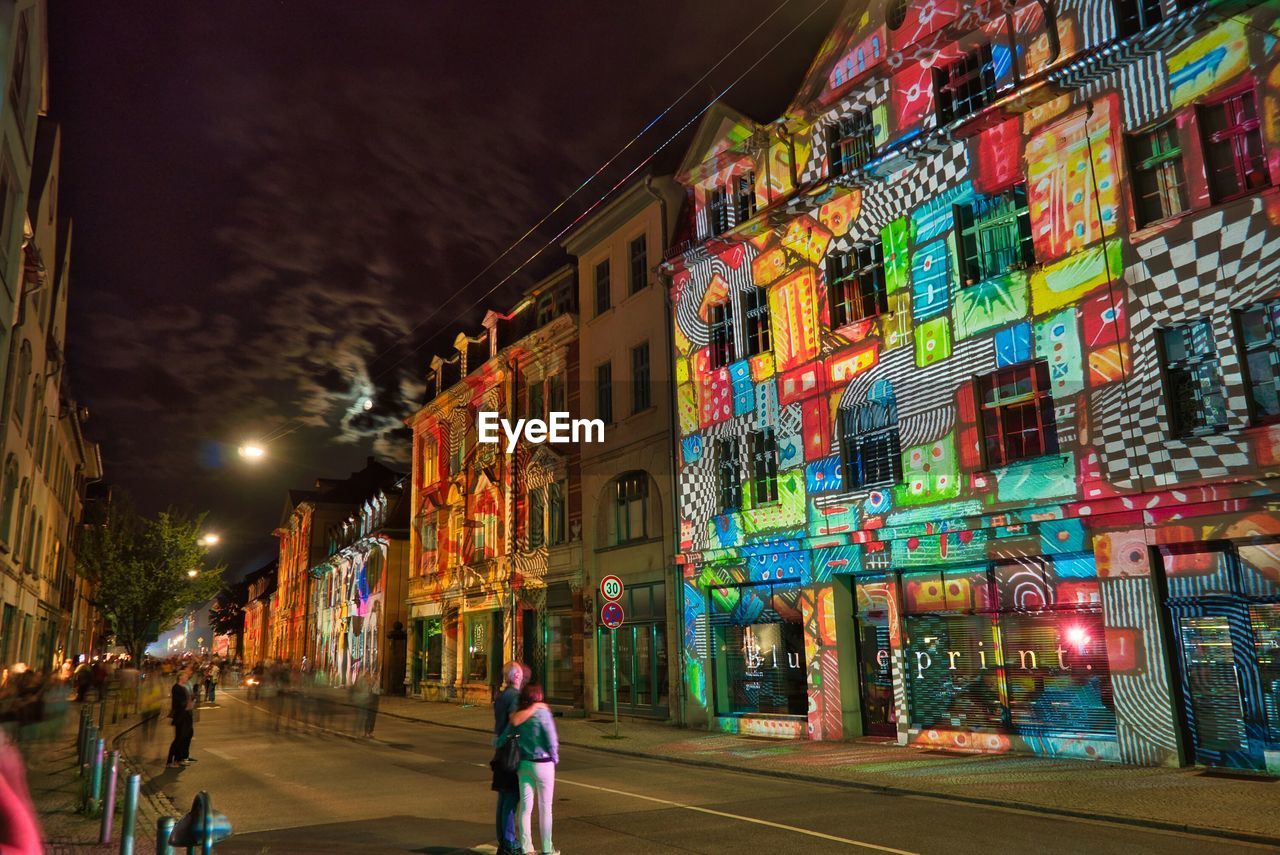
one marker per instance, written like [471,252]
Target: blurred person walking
[181,704]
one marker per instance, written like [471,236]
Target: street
[425,788]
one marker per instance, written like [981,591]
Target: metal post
[206,807]
[95,777]
[131,787]
[614,645]
[164,828]
[109,798]
[84,722]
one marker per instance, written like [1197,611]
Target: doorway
[875,611]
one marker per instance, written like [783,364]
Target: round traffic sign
[611,615]
[611,588]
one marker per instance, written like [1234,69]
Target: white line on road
[792,828]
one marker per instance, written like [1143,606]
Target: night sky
[271,200]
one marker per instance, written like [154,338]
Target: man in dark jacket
[181,703]
[505,783]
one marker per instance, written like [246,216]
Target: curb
[885,789]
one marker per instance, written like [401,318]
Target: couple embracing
[524,765]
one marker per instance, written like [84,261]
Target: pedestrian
[535,731]
[181,704]
[211,681]
[83,677]
[506,784]
[19,828]
[365,695]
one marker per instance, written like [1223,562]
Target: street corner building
[339,582]
[976,355]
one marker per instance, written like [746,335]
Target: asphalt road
[424,788]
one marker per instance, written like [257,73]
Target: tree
[142,570]
[226,615]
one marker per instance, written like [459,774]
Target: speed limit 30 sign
[611,588]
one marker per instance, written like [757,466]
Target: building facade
[624,352]
[358,591]
[975,366]
[496,540]
[257,614]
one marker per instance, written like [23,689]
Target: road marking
[796,829]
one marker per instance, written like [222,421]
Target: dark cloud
[276,203]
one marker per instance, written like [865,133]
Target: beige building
[624,348]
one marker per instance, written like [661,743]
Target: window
[1017,413]
[604,392]
[478,629]
[764,467]
[603,297]
[430,462]
[870,448]
[1159,187]
[630,511]
[850,143]
[431,648]
[557,518]
[20,383]
[718,210]
[721,322]
[537,514]
[639,254]
[1260,342]
[457,446]
[1193,380]
[1134,16]
[1233,153]
[8,498]
[744,202]
[8,201]
[20,79]
[536,409]
[24,498]
[855,284]
[640,378]
[756,310]
[757,651]
[995,235]
[555,393]
[728,480]
[1018,647]
[965,86]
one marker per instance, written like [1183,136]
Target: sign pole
[615,682]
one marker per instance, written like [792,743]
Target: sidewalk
[55,786]
[1171,799]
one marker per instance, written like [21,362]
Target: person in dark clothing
[181,703]
[506,784]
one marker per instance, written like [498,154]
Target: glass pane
[1266,641]
[559,656]
[758,651]
[953,671]
[875,663]
[1202,572]
[1260,569]
[1057,673]
[660,669]
[1212,681]
[644,666]
[626,650]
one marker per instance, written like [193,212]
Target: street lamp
[252,452]
[192,573]
[209,539]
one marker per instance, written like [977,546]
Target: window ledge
[1003,469]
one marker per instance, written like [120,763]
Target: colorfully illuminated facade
[497,537]
[358,590]
[976,379]
[257,613]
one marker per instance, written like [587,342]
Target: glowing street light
[368,404]
[209,539]
[253,452]
[192,573]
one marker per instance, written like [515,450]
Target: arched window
[895,13]
[24,499]
[9,495]
[20,380]
[630,498]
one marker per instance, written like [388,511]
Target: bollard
[90,738]
[130,814]
[164,828]
[109,798]
[95,776]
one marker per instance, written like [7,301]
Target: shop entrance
[876,609]
[1224,604]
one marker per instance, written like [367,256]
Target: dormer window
[965,86]
[850,143]
[718,210]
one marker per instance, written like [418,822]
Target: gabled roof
[853,25]
[720,130]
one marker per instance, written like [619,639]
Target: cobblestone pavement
[55,786]
[1176,799]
